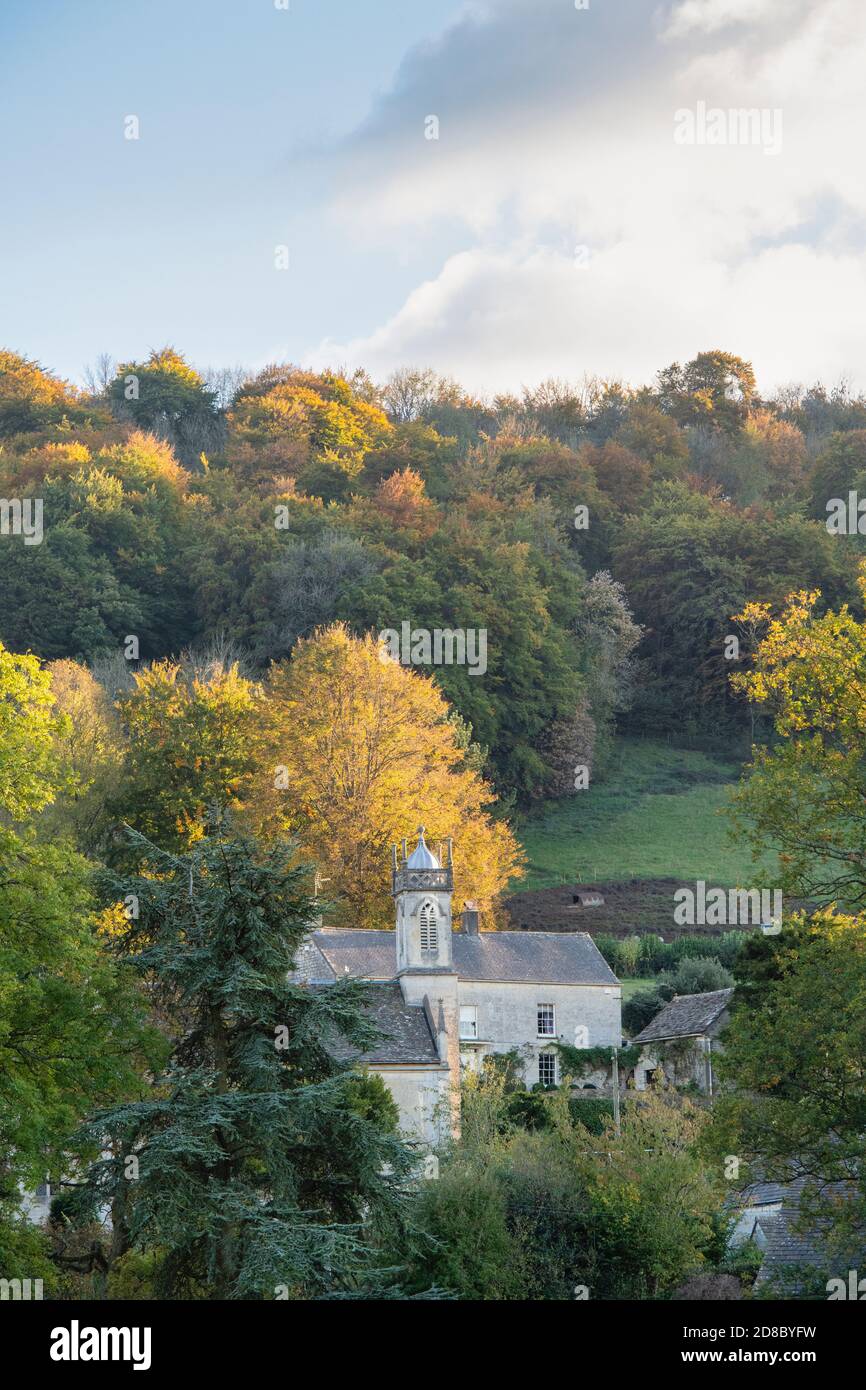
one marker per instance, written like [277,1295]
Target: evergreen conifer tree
[252,1169]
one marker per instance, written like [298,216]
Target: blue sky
[115,245]
[554,228]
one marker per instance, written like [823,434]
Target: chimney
[469,918]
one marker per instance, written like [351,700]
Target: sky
[503,190]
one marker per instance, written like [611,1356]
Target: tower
[422,889]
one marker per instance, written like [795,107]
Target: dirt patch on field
[630,908]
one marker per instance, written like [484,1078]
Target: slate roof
[553,958]
[765,1194]
[686,1016]
[406,1036]
[787,1248]
[786,1245]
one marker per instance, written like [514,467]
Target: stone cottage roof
[405,1039]
[792,1242]
[786,1247]
[790,1251]
[509,957]
[765,1194]
[686,1016]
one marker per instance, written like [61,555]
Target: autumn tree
[361,752]
[715,390]
[622,474]
[192,727]
[399,504]
[804,794]
[91,744]
[774,452]
[414,445]
[30,397]
[313,428]
[655,437]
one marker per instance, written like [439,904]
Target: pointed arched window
[429,928]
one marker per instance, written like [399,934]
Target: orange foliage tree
[363,752]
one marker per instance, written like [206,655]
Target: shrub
[590,1113]
[640,1009]
[697,975]
[465,1247]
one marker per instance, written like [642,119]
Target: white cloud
[500,320]
[708,16]
[557,130]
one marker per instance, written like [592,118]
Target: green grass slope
[659,812]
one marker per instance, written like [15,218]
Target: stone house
[681,1039]
[445,997]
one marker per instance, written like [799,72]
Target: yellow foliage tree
[192,731]
[287,419]
[90,743]
[363,752]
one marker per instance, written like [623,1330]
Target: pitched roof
[509,957]
[765,1194]
[686,1016]
[785,1245]
[405,1039]
[534,957]
[791,1242]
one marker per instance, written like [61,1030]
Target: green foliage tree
[71,1026]
[168,397]
[840,468]
[685,562]
[715,389]
[258,1172]
[794,1067]
[111,561]
[550,1216]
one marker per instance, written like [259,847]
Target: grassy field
[630,987]
[659,812]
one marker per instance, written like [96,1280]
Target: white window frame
[554,1080]
[473,1022]
[545,1032]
